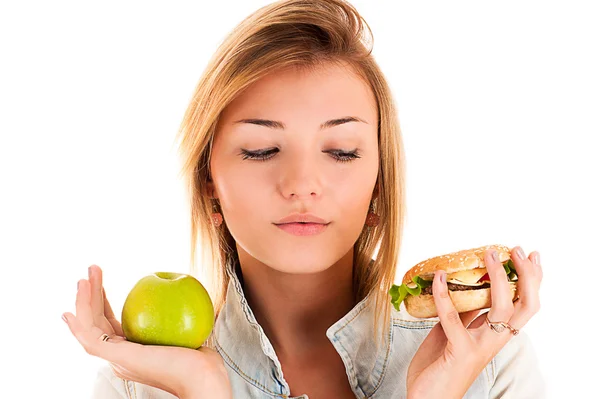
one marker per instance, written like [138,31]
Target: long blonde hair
[302,34]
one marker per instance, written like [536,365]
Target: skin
[314,273]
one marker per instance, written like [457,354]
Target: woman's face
[303,172]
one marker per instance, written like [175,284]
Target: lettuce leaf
[509,267]
[399,292]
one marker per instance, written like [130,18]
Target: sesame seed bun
[423,305]
[456,261]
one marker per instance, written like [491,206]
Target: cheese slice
[463,283]
[467,277]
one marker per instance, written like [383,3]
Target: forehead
[314,95]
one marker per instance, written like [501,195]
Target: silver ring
[104,337]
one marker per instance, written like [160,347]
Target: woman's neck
[295,310]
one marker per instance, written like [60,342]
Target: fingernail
[78,286]
[495,256]
[64,318]
[90,272]
[536,258]
[443,277]
[520,253]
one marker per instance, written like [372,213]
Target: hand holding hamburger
[463,342]
[467,278]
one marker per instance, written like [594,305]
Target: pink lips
[303,229]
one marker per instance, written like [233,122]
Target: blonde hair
[302,34]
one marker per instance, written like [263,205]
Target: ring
[498,326]
[104,337]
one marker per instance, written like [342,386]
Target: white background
[498,106]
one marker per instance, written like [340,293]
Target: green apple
[166,308]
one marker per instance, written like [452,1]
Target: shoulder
[109,386]
[518,352]
[407,334]
[516,370]
[401,319]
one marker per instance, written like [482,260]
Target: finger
[502,306]
[449,319]
[110,316]
[83,308]
[88,336]
[90,339]
[97,300]
[529,279]
[534,258]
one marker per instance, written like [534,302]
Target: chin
[298,266]
[305,261]
[298,255]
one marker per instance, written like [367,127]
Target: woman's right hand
[185,373]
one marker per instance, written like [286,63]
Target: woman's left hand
[458,348]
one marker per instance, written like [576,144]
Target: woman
[295,166]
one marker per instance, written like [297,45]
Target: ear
[210,190]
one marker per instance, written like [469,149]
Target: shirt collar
[242,343]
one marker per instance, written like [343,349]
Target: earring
[217,218]
[372,217]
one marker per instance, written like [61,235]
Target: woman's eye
[259,155]
[344,156]
[263,155]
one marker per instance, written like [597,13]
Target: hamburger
[467,279]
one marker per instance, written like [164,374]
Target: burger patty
[455,287]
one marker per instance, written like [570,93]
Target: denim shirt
[255,371]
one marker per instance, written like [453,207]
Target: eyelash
[263,155]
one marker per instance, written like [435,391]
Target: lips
[301,218]
[303,229]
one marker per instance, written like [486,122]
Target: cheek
[352,207]
[237,185]
[352,190]
[243,195]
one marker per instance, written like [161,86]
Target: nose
[300,177]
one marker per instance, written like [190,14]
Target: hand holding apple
[168,309]
[181,371]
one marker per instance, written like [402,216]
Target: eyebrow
[281,126]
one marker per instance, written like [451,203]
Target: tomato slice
[485,277]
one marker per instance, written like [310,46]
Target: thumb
[449,318]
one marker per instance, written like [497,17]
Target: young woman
[294,161]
